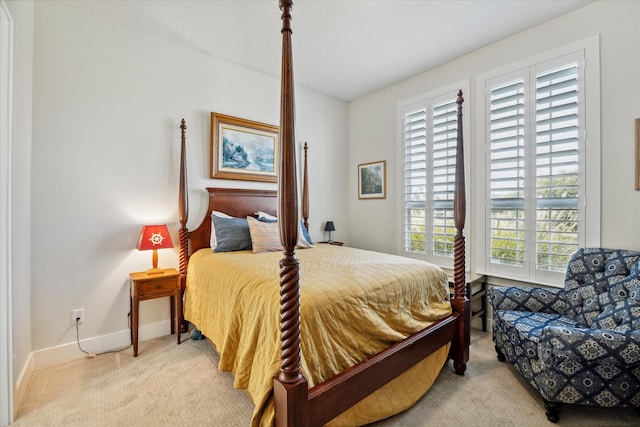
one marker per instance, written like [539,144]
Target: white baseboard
[69,352]
[23,383]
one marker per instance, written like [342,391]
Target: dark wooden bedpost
[290,387]
[460,302]
[183,206]
[305,190]
[183,213]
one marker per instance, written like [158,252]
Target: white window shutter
[415,181]
[534,162]
[443,169]
[429,158]
[506,173]
[557,167]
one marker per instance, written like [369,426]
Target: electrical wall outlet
[77,315]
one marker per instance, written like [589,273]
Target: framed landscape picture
[372,180]
[243,149]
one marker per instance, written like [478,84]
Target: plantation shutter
[443,159]
[415,181]
[430,137]
[507,168]
[557,167]
[535,180]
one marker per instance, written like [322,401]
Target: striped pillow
[265,236]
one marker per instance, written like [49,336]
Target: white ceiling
[342,48]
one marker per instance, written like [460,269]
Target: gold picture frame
[243,149]
[372,180]
[637,154]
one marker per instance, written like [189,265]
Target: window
[535,172]
[537,135]
[428,134]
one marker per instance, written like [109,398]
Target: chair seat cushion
[529,325]
[517,334]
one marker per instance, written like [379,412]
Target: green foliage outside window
[556,227]
[442,242]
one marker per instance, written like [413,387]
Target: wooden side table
[148,286]
[477,295]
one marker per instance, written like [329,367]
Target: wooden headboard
[235,202]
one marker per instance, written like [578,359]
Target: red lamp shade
[154,237]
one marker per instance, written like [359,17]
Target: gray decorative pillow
[232,234]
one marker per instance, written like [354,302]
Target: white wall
[372,120]
[108,100]
[22,13]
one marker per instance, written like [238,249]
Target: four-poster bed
[411,333]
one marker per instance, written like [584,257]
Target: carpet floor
[180,385]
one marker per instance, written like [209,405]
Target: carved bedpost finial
[286,6]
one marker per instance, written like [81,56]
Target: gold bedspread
[353,304]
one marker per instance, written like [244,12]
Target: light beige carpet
[171,385]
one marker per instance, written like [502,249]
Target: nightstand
[477,295]
[148,286]
[333,242]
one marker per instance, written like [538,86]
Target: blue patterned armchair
[580,344]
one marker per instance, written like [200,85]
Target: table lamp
[329,227]
[154,237]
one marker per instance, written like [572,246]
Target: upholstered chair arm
[590,346]
[525,298]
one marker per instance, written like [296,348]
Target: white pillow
[212,239]
[266,216]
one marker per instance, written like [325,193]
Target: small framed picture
[372,180]
[243,149]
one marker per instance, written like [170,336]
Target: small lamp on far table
[329,227]
[154,237]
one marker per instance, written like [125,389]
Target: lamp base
[155,270]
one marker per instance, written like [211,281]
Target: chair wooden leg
[552,410]
[500,354]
